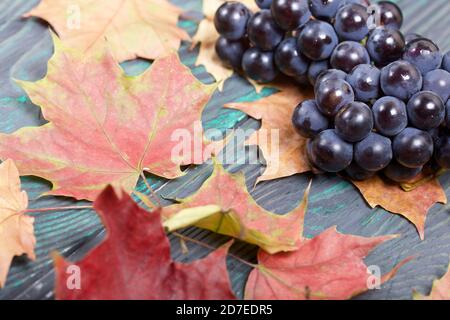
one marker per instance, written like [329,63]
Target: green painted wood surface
[25,46]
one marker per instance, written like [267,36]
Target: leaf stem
[205,245]
[414,185]
[149,187]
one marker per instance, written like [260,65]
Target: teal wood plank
[25,46]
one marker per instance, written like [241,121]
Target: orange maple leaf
[133,28]
[16,228]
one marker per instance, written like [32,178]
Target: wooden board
[25,46]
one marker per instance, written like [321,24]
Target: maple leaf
[207,36]
[16,228]
[329,266]
[439,291]
[133,28]
[413,205]
[223,205]
[285,156]
[106,127]
[134,261]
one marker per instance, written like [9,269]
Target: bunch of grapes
[381,98]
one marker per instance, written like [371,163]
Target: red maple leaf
[134,261]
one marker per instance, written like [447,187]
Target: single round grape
[289,61]
[413,148]
[332,95]
[354,122]
[315,69]
[355,172]
[329,152]
[389,115]
[365,81]
[231,51]
[391,15]
[231,20]
[374,152]
[259,65]
[317,40]
[351,22]
[442,152]
[385,45]
[401,79]
[398,173]
[331,74]
[263,4]
[438,81]
[409,37]
[349,54]
[446,62]
[426,110]
[263,32]
[307,119]
[324,9]
[424,54]
[290,14]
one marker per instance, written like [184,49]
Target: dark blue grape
[354,122]
[317,40]
[263,4]
[259,65]
[374,152]
[442,152]
[329,152]
[391,15]
[351,22]
[315,69]
[289,61]
[390,117]
[332,95]
[413,148]
[349,54]
[263,32]
[331,74]
[307,119]
[365,80]
[401,79]
[426,110]
[424,54]
[231,51]
[231,20]
[290,14]
[446,62]
[398,173]
[438,81]
[385,45]
[409,37]
[355,172]
[324,9]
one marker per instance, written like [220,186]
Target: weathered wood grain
[25,46]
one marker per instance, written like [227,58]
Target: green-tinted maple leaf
[223,205]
